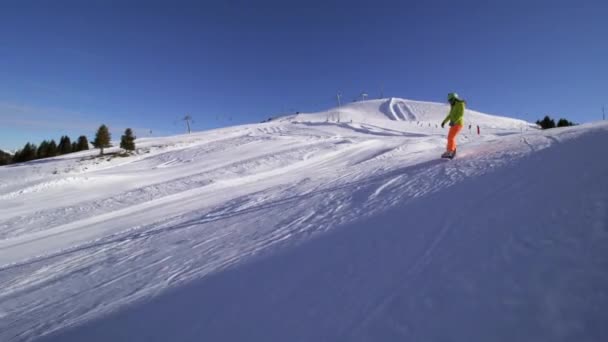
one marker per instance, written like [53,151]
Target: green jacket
[456,115]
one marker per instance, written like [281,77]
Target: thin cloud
[53,90]
[46,118]
[20,115]
[25,109]
[44,124]
[26,116]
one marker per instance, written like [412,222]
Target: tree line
[547,122]
[50,148]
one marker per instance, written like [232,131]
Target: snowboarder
[455,116]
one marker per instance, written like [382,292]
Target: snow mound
[397,109]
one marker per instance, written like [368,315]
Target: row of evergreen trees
[547,122]
[50,148]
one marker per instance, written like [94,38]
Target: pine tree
[68,145]
[31,152]
[61,144]
[65,145]
[83,143]
[102,138]
[564,123]
[74,146]
[52,149]
[17,157]
[546,122]
[26,154]
[127,141]
[43,149]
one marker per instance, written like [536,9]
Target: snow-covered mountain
[8,153]
[407,111]
[306,228]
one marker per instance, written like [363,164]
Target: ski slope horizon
[337,225]
[393,108]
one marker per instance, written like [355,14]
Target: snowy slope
[304,228]
[408,111]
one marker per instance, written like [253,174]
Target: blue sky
[68,66]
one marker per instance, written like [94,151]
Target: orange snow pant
[454,130]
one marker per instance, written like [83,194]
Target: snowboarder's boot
[449,154]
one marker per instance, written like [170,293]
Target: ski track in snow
[194,206]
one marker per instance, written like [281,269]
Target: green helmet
[453,97]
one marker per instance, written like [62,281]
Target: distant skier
[455,116]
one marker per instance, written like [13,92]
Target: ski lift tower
[363,96]
[188,118]
[338,96]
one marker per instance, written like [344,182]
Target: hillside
[305,228]
[399,112]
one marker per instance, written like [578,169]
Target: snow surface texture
[309,229]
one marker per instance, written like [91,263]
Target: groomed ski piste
[306,228]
